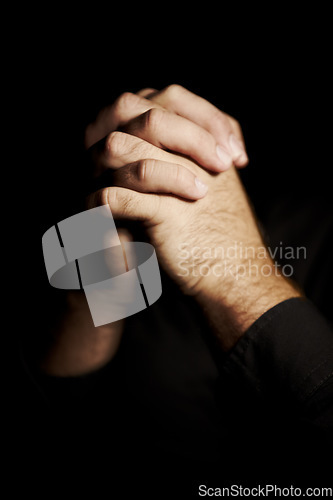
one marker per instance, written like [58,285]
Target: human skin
[157,188]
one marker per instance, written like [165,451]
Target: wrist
[235,300]
[77,346]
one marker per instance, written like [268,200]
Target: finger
[124,237]
[127,204]
[154,176]
[179,100]
[126,107]
[173,132]
[147,92]
[238,139]
[119,149]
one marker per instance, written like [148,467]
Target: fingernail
[224,157]
[202,188]
[237,148]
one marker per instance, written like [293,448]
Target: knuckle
[173,91]
[98,198]
[220,119]
[145,91]
[118,202]
[152,119]
[236,125]
[110,197]
[234,121]
[142,170]
[125,101]
[177,174]
[146,169]
[114,144]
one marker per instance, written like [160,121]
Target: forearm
[77,346]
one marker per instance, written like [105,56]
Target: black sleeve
[286,358]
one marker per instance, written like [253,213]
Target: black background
[275,81]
